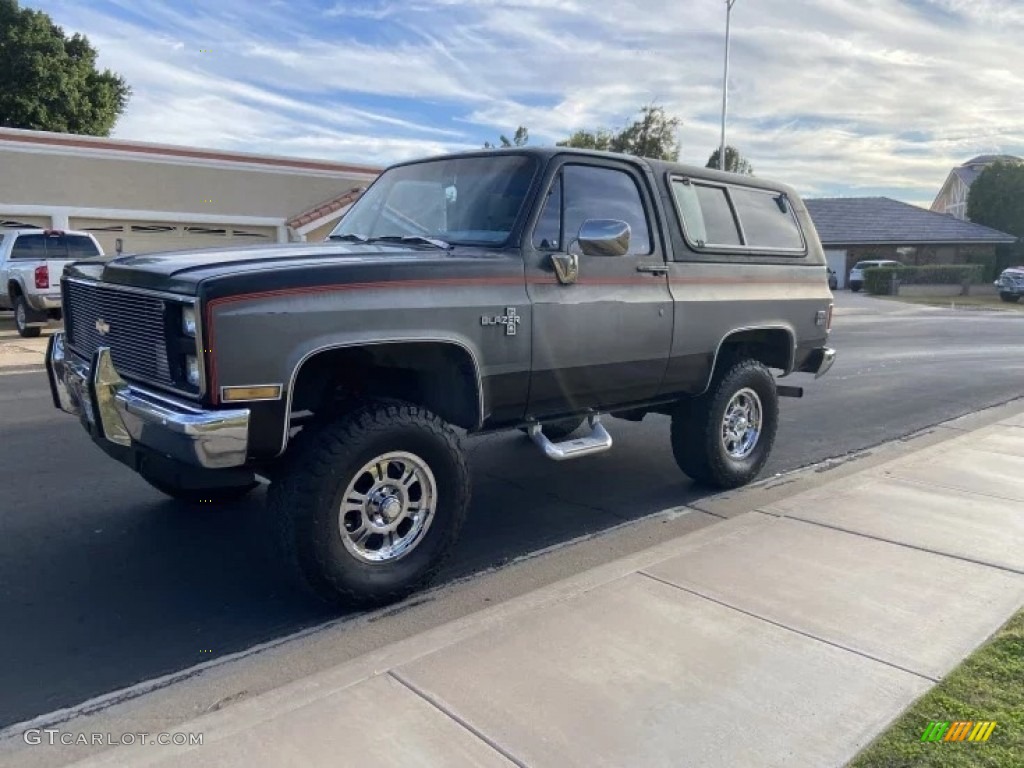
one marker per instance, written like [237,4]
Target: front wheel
[1009,298]
[21,319]
[370,505]
[723,438]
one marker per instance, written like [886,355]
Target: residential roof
[989,159]
[325,209]
[146,150]
[970,170]
[883,221]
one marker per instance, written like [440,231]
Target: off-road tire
[557,431]
[1009,298]
[22,313]
[305,496]
[697,424]
[202,497]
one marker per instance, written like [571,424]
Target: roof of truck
[658,167]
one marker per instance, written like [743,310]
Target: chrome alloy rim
[741,425]
[388,507]
[20,318]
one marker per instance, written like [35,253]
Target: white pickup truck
[31,263]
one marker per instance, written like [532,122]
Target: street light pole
[725,83]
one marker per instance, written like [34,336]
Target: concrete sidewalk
[787,636]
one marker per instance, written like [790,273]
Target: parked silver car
[857,273]
[1011,284]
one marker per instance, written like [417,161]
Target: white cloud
[831,95]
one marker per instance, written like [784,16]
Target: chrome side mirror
[604,237]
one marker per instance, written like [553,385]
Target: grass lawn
[959,302]
[988,685]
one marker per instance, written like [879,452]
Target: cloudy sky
[838,97]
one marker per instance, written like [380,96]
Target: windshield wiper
[352,236]
[413,239]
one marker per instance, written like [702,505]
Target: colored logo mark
[961,730]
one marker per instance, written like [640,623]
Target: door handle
[653,269]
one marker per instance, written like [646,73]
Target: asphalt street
[105,583]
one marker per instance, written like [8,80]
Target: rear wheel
[22,318]
[369,506]
[724,437]
[855,287]
[1009,298]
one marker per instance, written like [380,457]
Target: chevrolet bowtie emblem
[102,327]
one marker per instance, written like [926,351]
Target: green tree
[652,134]
[734,161]
[50,82]
[600,139]
[997,200]
[520,139]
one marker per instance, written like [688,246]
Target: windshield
[463,201]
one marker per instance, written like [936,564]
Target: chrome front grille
[131,324]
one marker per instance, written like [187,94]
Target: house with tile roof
[853,229]
[952,198]
[152,197]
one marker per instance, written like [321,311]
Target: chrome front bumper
[126,415]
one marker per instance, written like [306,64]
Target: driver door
[603,338]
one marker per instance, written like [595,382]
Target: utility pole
[725,83]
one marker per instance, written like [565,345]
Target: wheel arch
[772,345]
[14,288]
[458,399]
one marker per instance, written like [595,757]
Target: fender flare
[775,327]
[461,345]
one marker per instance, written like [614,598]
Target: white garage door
[147,237]
[836,261]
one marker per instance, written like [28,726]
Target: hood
[181,271]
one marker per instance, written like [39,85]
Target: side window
[719,223]
[767,220]
[547,235]
[591,192]
[689,210]
[29,247]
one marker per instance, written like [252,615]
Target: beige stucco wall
[320,233]
[69,180]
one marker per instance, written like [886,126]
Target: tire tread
[294,497]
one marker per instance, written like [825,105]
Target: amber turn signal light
[236,394]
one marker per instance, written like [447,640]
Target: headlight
[192,370]
[188,321]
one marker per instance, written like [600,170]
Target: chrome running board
[598,441]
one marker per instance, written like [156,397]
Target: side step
[598,441]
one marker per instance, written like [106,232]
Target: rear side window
[720,216]
[29,247]
[767,220]
[707,215]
